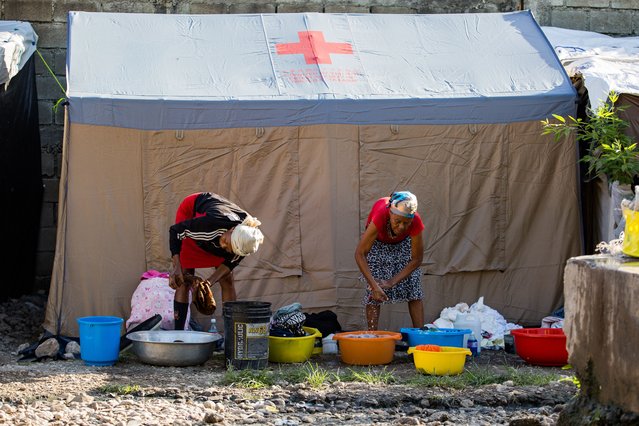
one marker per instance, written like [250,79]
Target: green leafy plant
[610,151]
[572,379]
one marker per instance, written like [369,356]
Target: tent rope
[55,107]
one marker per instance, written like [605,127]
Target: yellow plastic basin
[292,349]
[449,362]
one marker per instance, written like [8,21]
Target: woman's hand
[176,280]
[219,273]
[378,295]
[386,284]
[176,277]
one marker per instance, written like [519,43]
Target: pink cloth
[154,296]
[152,273]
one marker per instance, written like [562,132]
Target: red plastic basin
[541,346]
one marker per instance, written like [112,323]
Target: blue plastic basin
[442,336]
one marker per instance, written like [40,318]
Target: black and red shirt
[212,216]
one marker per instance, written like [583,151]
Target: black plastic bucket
[246,330]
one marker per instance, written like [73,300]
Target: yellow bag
[631,233]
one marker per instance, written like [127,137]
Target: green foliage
[370,376]
[610,151]
[477,376]
[248,379]
[573,379]
[523,377]
[315,375]
[119,389]
[480,376]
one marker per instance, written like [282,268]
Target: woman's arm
[176,277]
[363,247]
[220,272]
[417,255]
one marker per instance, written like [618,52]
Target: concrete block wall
[612,17]
[49,19]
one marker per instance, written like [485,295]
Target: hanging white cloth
[18,41]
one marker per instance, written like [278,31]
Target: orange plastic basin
[357,348]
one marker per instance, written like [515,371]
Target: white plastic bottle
[329,346]
[213,330]
[472,322]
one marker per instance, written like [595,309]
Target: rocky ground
[132,393]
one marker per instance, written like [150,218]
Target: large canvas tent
[20,168]
[305,120]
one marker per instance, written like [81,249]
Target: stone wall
[602,312]
[615,17]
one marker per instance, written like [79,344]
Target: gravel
[66,392]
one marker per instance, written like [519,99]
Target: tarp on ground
[305,120]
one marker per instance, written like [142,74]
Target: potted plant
[610,151]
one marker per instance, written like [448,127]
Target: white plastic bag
[618,193]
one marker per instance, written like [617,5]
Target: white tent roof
[606,63]
[153,71]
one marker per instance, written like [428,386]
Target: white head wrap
[403,203]
[246,237]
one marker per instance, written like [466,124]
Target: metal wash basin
[173,347]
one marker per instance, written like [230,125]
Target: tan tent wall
[499,204]
[630,113]
[500,207]
[100,244]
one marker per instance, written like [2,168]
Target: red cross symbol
[314,48]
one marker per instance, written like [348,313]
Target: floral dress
[387,260]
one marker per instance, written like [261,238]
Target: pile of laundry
[493,325]
[289,320]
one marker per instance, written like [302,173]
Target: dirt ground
[133,393]
[74,392]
